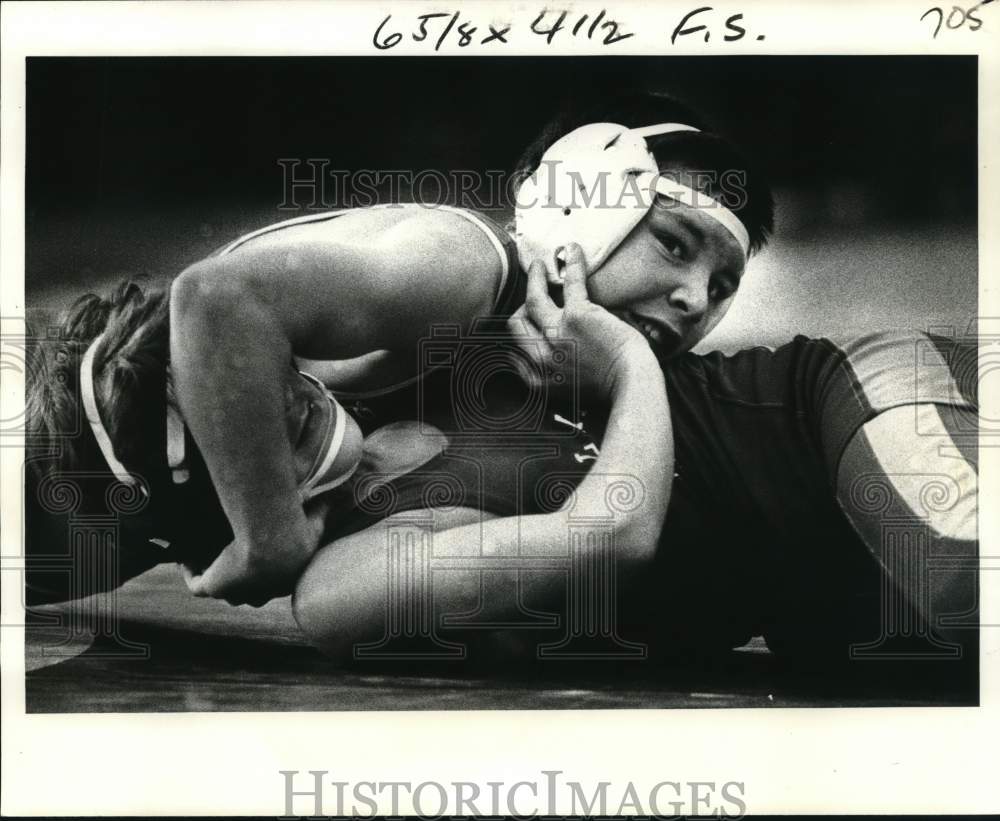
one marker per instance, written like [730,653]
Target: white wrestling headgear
[325,474]
[593,186]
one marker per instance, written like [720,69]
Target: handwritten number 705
[957,17]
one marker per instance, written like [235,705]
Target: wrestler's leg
[378,586]
[907,481]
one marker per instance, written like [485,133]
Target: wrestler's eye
[674,247]
[721,289]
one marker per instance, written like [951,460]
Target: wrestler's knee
[334,613]
[905,464]
[909,487]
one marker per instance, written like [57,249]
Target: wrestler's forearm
[632,477]
[628,487]
[340,599]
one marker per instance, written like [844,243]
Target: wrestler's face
[672,278]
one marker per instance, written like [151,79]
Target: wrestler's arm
[237,320]
[341,598]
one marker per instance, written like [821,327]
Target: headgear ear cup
[592,187]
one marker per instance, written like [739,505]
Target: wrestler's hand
[239,578]
[605,346]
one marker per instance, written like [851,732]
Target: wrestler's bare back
[367,228]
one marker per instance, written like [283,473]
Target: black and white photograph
[442,381]
[392,405]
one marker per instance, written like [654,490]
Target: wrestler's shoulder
[759,374]
[455,225]
[416,226]
[808,371]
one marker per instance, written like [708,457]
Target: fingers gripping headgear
[593,186]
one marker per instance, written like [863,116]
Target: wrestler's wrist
[635,368]
[286,540]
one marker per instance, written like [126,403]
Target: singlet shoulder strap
[498,237]
[323,216]
[502,244]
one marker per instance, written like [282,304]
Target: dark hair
[130,379]
[700,159]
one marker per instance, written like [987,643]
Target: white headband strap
[323,487]
[176,446]
[314,484]
[691,198]
[333,445]
[708,206]
[94,416]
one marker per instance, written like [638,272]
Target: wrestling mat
[169,652]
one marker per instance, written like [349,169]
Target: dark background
[140,166]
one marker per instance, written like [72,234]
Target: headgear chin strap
[593,186]
[94,418]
